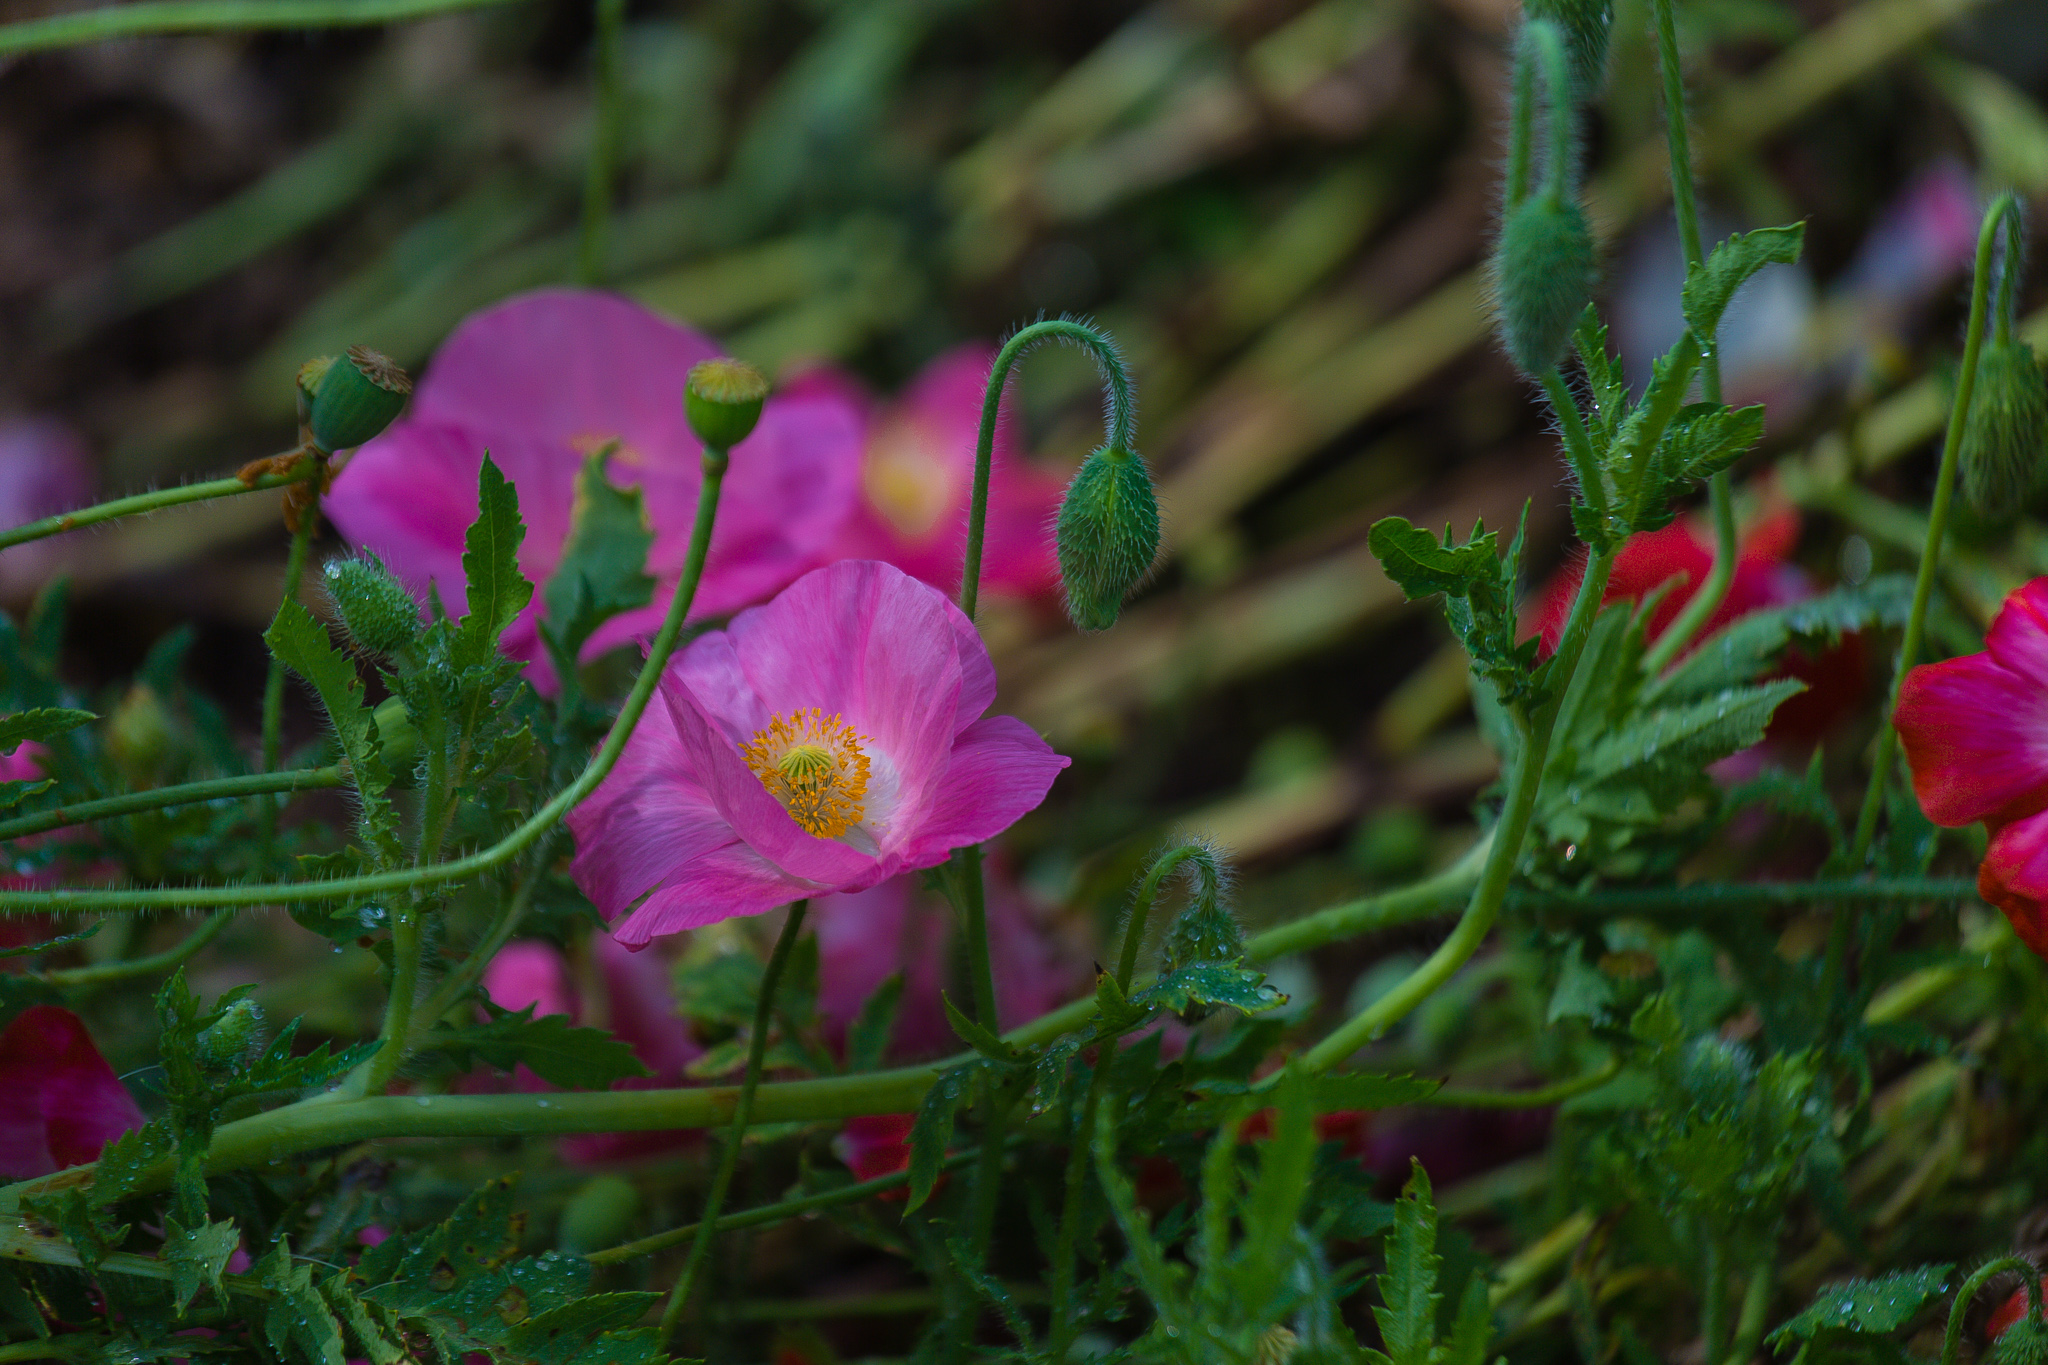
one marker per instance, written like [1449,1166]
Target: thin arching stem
[141,503]
[1958,1311]
[742,1115]
[160,798]
[608,116]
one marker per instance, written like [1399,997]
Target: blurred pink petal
[542,381]
[65,1101]
[1975,728]
[44,470]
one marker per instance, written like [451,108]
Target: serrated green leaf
[51,944]
[1582,992]
[1203,986]
[551,1046]
[197,1258]
[1740,652]
[44,722]
[1472,1332]
[1272,1206]
[497,592]
[603,566]
[1711,285]
[1706,438]
[1423,565]
[1676,744]
[296,1320]
[362,1322]
[1880,1305]
[932,1130]
[302,645]
[124,1161]
[1408,1289]
[974,1035]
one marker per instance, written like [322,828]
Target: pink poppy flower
[917,477]
[824,742]
[639,1007]
[44,469]
[876,1145]
[542,381]
[64,1101]
[1975,732]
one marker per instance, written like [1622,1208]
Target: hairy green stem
[407,944]
[1952,1340]
[607,125]
[1577,444]
[1708,900]
[742,1115]
[537,825]
[214,16]
[1930,554]
[1148,893]
[105,973]
[146,502]
[1720,497]
[457,983]
[1509,832]
[273,678]
[186,794]
[1559,166]
[1521,130]
[1451,1097]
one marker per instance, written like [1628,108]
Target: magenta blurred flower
[875,1145]
[917,475]
[1975,731]
[824,742]
[639,1008]
[546,379]
[44,469]
[65,1101]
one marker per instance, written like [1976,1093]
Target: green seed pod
[1543,275]
[1585,25]
[379,614]
[1108,535]
[233,1039]
[359,395]
[597,1215]
[2005,436]
[139,736]
[723,401]
[399,741]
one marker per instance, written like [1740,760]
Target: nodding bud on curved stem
[1107,535]
[2007,425]
[1543,266]
[354,396]
[1204,931]
[723,401]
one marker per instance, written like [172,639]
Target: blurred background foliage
[1278,206]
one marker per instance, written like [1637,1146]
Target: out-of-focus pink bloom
[866,936]
[543,381]
[44,470]
[876,1145]
[1975,731]
[64,1101]
[639,1007]
[917,477]
[824,742]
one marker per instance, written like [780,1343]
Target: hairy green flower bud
[1205,931]
[396,737]
[2006,430]
[597,1215]
[377,611]
[1585,25]
[723,401]
[1108,535]
[233,1039]
[1543,275]
[139,736]
[360,394]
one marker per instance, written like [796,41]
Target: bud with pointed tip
[2006,430]
[375,609]
[723,401]
[1543,274]
[139,736]
[360,394]
[234,1039]
[1107,534]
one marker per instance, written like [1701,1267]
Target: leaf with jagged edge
[1202,987]
[1670,747]
[1880,1305]
[496,591]
[128,1158]
[1711,285]
[932,1130]
[1472,1330]
[1740,652]
[43,722]
[198,1257]
[1606,385]
[1408,1293]
[296,1320]
[551,1046]
[977,1037]
[302,645]
[603,569]
[1423,565]
[52,944]
[364,1324]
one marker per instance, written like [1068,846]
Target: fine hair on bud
[360,393]
[1107,535]
[2005,429]
[374,607]
[1543,272]
[1205,930]
[1586,26]
[722,401]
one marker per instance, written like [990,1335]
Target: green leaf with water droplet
[1884,1304]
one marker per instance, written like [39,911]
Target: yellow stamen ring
[812,763]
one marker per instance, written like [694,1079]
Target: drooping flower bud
[1585,25]
[1205,931]
[377,611]
[1543,274]
[723,401]
[1108,535]
[233,1039]
[139,736]
[360,394]
[2005,435]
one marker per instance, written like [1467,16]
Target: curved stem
[457,983]
[1119,421]
[1930,553]
[742,1115]
[1204,859]
[1509,832]
[1450,1097]
[407,931]
[1958,1310]
[535,826]
[157,798]
[103,973]
[607,122]
[146,502]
